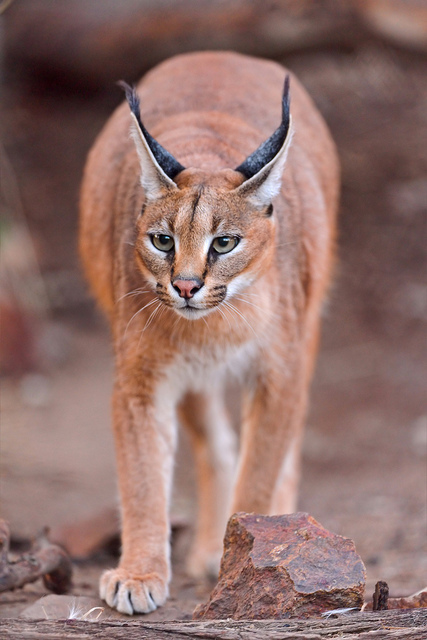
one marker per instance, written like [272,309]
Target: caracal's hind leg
[214,443]
[274,410]
[285,497]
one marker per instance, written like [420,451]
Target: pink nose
[187,288]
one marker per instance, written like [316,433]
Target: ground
[364,465]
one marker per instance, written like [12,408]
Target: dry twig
[44,560]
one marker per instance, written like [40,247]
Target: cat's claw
[130,593]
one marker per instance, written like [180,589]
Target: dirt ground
[364,469]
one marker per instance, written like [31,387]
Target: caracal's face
[203,244]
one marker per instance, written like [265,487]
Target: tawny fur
[210,110]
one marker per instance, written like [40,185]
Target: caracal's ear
[158,166]
[264,167]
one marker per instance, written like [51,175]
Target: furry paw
[130,593]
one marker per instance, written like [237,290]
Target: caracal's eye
[225,244]
[162,242]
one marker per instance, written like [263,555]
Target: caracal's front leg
[274,411]
[145,444]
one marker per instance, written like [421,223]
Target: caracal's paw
[204,564]
[131,593]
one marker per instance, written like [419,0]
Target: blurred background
[365,64]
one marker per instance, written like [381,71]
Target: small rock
[282,566]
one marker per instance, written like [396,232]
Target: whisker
[252,294]
[284,244]
[135,292]
[137,312]
[224,315]
[162,312]
[150,319]
[176,322]
[207,332]
[273,314]
[152,316]
[251,303]
[228,304]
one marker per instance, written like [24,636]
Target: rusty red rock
[282,566]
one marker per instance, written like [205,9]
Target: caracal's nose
[187,287]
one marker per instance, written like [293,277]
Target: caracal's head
[203,238]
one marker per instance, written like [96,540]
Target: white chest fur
[201,371]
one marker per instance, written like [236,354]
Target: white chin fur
[191,313]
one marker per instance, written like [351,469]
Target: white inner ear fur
[264,186]
[153,179]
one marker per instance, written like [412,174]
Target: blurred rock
[23,299]
[282,566]
[17,350]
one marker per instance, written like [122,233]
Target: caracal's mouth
[190,312]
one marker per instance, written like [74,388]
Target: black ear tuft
[271,147]
[167,162]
